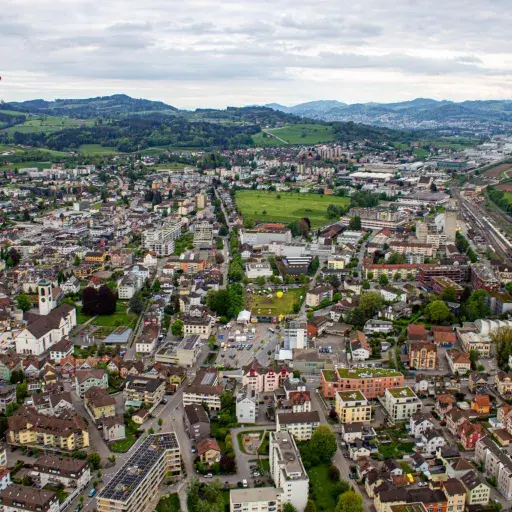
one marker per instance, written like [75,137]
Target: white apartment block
[247,406]
[141,478]
[401,403]
[497,465]
[295,335]
[161,240]
[258,499]
[287,470]
[301,425]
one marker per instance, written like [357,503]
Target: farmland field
[48,124]
[296,134]
[497,172]
[25,165]
[260,304]
[97,149]
[265,206]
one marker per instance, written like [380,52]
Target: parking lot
[238,344]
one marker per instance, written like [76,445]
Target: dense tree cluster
[497,196]
[98,302]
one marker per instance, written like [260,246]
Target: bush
[334,473]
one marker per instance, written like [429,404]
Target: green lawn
[263,140]
[116,319]
[259,304]
[48,124]
[508,196]
[97,149]
[169,504]
[265,206]
[321,488]
[81,318]
[420,152]
[123,445]
[296,134]
[170,165]
[24,165]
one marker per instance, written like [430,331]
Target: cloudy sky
[201,53]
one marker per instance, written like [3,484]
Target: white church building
[47,328]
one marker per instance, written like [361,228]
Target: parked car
[208,475]
[244,482]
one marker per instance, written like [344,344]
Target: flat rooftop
[405,392]
[289,456]
[351,396]
[126,481]
[367,373]
[254,494]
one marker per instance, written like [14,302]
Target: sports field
[261,305]
[266,206]
[295,134]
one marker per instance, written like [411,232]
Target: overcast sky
[200,53]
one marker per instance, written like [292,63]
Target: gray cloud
[367,51]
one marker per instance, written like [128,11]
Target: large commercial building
[426,274]
[371,382]
[185,354]
[140,479]
[265,235]
[287,470]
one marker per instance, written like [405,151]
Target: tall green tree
[350,502]
[23,302]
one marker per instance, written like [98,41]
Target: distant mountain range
[418,113]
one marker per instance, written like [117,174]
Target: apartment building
[458,362]
[442,283]
[258,499]
[301,425]
[205,388]
[70,472]
[161,240]
[141,478]
[99,404]
[203,234]
[86,379]
[371,382]
[29,428]
[401,403]
[497,465]
[377,218]
[264,380]
[147,390]
[7,396]
[411,248]
[287,470]
[18,498]
[427,272]
[247,406]
[352,407]
[503,382]
[199,326]
[477,492]
[404,270]
[482,278]
[315,296]
[196,422]
[295,335]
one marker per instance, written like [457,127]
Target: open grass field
[302,134]
[420,152]
[48,124]
[265,206]
[25,165]
[173,166]
[97,149]
[497,172]
[322,487]
[508,197]
[296,134]
[260,304]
